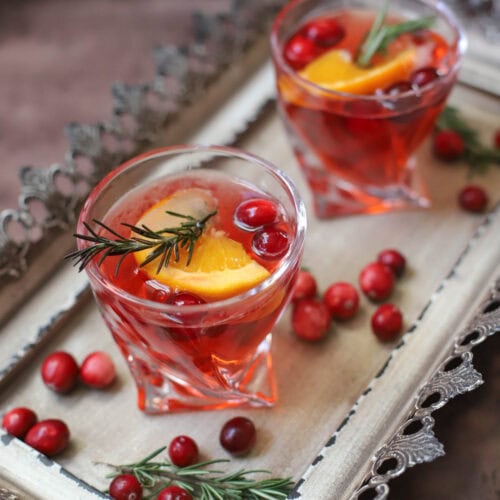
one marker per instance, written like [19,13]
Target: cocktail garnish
[381,35]
[202,482]
[164,243]
[335,70]
[476,154]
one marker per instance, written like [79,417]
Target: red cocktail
[193,320]
[356,111]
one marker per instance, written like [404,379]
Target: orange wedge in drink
[335,70]
[219,267]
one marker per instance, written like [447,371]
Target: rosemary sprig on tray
[381,35]
[476,155]
[203,482]
[164,244]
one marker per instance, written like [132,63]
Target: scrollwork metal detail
[140,113]
[6,494]
[455,375]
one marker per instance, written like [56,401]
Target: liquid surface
[223,262]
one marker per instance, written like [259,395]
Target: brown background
[57,61]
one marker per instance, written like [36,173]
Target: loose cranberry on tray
[238,436]
[60,371]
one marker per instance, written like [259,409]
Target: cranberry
[496,139]
[173,492]
[448,145]
[185,299]
[305,286]
[156,292]
[238,436]
[387,322]
[376,281]
[394,260]
[49,436]
[300,51]
[325,32]
[420,37]
[255,213]
[310,319]
[19,421]
[398,88]
[342,300]
[60,371]
[125,487]
[473,198]
[270,243]
[183,451]
[97,370]
[424,76]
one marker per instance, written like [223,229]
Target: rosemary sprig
[381,35]
[203,482]
[478,156]
[164,243]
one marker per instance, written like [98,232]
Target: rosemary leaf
[381,35]
[163,243]
[372,34]
[203,482]
[478,156]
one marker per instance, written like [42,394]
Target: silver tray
[337,440]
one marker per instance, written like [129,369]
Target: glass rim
[290,258]
[437,5]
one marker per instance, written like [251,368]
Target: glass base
[161,390]
[333,196]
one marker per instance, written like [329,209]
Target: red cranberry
[185,299]
[342,300]
[387,322]
[394,260]
[473,198]
[305,286]
[49,436]
[270,243]
[310,319]
[156,292]
[97,370]
[238,436]
[420,37]
[60,371]
[300,51]
[183,451]
[398,88]
[376,281]
[424,76]
[496,140]
[448,145]
[174,492]
[256,213]
[125,487]
[19,421]
[325,32]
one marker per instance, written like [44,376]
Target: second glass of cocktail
[360,85]
[192,253]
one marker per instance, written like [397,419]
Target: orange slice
[335,70]
[219,267]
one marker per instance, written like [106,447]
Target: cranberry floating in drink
[192,254]
[359,90]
